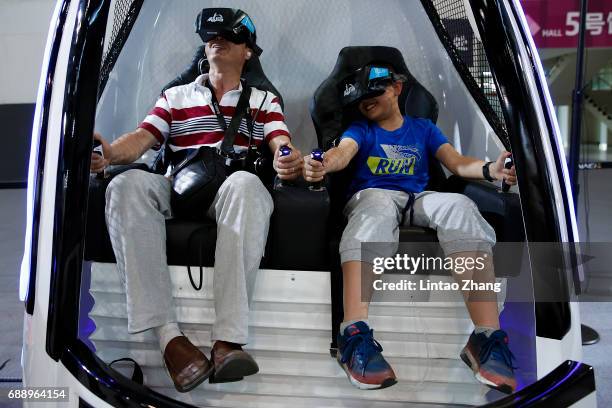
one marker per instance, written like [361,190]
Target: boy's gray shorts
[374,215]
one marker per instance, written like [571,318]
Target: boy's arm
[471,168]
[335,159]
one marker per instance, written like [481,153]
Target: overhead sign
[555,23]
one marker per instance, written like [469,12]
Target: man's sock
[346,324]
[488,331]
[166,333]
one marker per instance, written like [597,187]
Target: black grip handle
[97,149]
[508,165]
[284,150]
[317,154]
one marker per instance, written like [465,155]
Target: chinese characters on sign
[595,23]
[555,24]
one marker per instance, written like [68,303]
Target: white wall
[23,30]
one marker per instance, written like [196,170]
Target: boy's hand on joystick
[503,169]
[314,170]
[317,156]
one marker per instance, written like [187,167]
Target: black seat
[193,243]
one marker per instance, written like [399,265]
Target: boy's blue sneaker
[360,357]
[491,360]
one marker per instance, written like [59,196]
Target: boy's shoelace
[364,344]
[497,347]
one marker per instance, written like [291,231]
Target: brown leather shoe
[231,363]
[187,365]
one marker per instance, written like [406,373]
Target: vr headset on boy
[367,82]
[232,24]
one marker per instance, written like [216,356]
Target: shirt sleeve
[274,120]
[436,138]
[158,121]
[357,131]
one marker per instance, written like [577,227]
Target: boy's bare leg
[481,305]
[354,308]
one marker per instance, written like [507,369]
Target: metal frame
[73,173]
[36,178]
[500,128]
[543,221]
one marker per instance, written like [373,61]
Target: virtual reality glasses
[232,24]
[367,82]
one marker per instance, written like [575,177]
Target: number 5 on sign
[572,20]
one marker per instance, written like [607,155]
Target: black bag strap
[242,108]
[191,239]
[196,286]
[137,376]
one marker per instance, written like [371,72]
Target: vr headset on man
[232,24]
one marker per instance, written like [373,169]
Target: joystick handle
[285,151]
[317,154]
[97,149]
[508,165]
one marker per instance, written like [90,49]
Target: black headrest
[253,74]
[330,119]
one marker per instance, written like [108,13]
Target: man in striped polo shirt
[138,202]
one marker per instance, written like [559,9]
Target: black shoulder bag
[198,177]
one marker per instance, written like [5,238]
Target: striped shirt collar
[199,84]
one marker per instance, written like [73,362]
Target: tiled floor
[12,221]
[597,315]
[595,190]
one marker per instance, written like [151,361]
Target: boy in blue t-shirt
[391,154]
